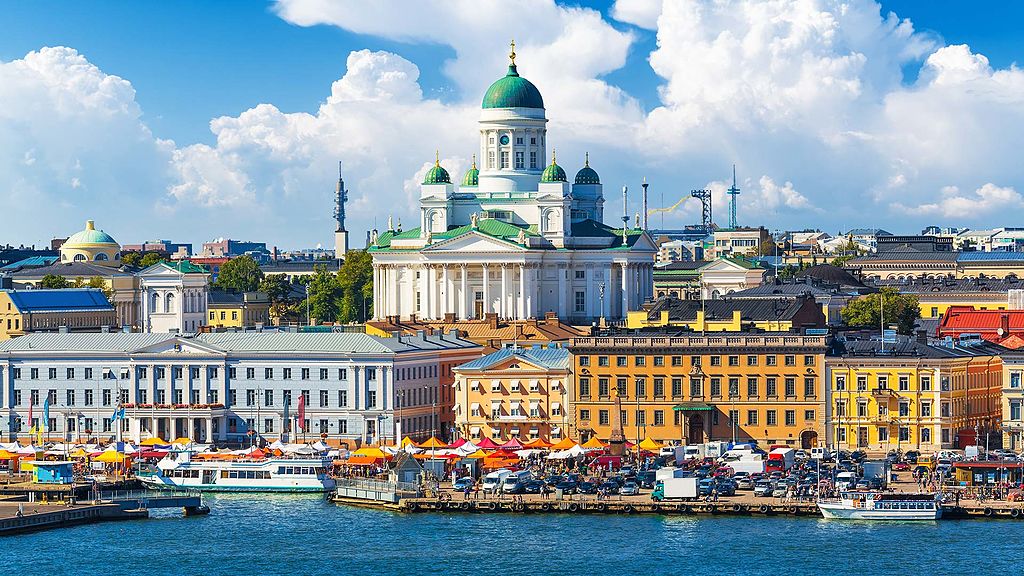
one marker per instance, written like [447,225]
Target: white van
[514,480]
[494,479]
[819,454]
[846,480]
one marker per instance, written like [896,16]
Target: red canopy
[486,444]
[512,444]
[152,453]
[458,443]
[256,453]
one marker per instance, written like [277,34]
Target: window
[771,418]
[620,387]
[268,425]
[640,361]
[490,158]
[770,360]
[752,387]
[790,417]
[584,387]
[659,361]
[715,361]
[904,409]
[533,159]
[585,415]
[751,360]
[790,360]
[659,417]
[809,415]
[751,417]
[926,435]
[862,409]
[602,387]
[602,417]
[809,387]
[178,371]
[883,433]
[696,386]
[842,434]
[584,360]
[286,374]
[177,396]
[268,373]
[620,361]
[677,387]
[926,382]
[71,397]
[371,399]
[342,398]
[734,417]
[840,408]
[734,387]
[88,397]
[581,302]
[323,373]
[659,387]
[926,410]
[641,387]
[343,374]
[862,383]
[840,383]
[883,381]
[51,373]
[250,373]
[106,397]
[770,387]
[495,385]
[602,361]
[504,159]
[809,360]
[371,374]
[734,360]
[33,373]
[904,383]
[716,387]
[790,386]
[641,417]
[268,397]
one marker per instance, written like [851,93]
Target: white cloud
[982,203]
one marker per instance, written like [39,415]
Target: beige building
[1013,400]
[518,393]
[72,309]
[740,241]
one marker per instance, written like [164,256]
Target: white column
[591,297]
[424,292]
[487,288]
[376,291]
[447,290]
[394,305]
[625,289]
[503,311]
[561,270]
[521,296]
[464,304]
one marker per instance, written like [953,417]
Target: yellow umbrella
[370,451]
[111,457]
[650,445]
[182,440]
[406,442]
[78,453]
[154,441]
[477,455]
[594,443]
[433,443]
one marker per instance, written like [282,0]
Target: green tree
[323,294]
[900,309]
[132,259]
[278,291]
[99,283]
[150,258]
[355,278]
[54,281]
[242,274]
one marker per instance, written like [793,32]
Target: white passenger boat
[866,505]
[180,471]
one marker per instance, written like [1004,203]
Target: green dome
[472,177]
[437,175]
[587,175]
[89,236]
[513,91]
[553,173]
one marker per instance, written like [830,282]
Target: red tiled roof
[966,320]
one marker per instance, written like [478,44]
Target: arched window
[79,257]
[154,303]
[101,257]
[169,303]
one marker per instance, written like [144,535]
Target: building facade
[515,238]
[520,393]
[228,388]
[237,309]
[908,394]
[737,386]
[91,245]
[71,309]
[173,297]
[1013,400]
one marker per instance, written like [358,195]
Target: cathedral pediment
[473,242]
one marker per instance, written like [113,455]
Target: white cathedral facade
[516,238]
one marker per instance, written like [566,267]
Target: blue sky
[192,61]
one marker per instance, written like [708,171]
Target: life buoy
[413,506]
[574,507]
[791,509]
[519,507]
[545,507]
[601,507]
[1015,513]
[737,508]
[655,508]
[628,509]
[464,506]
[492,506]
[989,512]
[763,509]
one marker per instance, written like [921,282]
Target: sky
[193,120]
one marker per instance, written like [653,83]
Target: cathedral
[516,238]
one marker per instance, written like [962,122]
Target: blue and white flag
[118,414]
[46,413]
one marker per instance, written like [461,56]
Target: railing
[696,341]
[376,485]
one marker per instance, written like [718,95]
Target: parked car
[534,487]
[567,486]
[726,487]
[630,489]
[763,488]
[647,479]
[587,488]
[609,487]
[462,483]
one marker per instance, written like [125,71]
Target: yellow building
[742,386]
[237,309]
[518,393]
[729,315]
[936,295]
[912,395]
[1013,399]
[72,309]
[91,245]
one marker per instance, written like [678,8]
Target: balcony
[883,392]
[508,418]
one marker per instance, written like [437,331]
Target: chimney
[492,320]
[449,317]
[1004,324]
[922,336]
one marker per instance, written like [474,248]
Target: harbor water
[295,534]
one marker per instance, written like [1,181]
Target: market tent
[111,457]
[432,444]
[477,455]
[487,444]
[5,455]
[538,443]
[563,444]
[594,444]
[320,446]
[407,442]
[276,445]
[30,449]
[512,444]
[78,453]
[256,453]
[357,460]
[142,454]
[371,452]
[182,440]
[650,445]
[528,452]
[458,443]
[154,441]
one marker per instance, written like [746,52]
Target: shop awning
[514,431]
[474,406]
[555,405]
[692,407]
[474,430]
[516,402]
[357,460]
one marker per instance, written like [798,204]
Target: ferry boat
[267,475]
[867,505]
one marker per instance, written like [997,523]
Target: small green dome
[437,174]
[472,177]
[587,175]
[554,172]
[89,236]
[513,91]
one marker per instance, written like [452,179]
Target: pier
[21,514]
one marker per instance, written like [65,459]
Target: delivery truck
[675,489]
[781,459]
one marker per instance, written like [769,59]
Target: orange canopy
[564,444]
[358,460]
[538,443]
[594,443]
[433,443]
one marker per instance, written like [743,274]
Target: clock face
[503,140]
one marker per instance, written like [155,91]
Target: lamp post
[600,290]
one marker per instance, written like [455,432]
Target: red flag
[30,427]
[301,413]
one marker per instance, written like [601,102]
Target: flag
[301,412]
[31,421]
[118,414]
[46,414]
[287,421]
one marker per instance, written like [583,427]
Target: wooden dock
[30,516]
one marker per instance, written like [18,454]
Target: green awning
[692,407]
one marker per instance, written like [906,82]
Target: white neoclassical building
[516,238]
[172,297]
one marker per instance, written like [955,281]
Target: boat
[872,505]
[259,475]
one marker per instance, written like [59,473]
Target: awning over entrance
[692,407]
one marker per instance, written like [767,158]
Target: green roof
[472,177]
[89,236]
[587,175]
[512,91]
[553,173]
[185,267]
[510,232]
[437,175]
